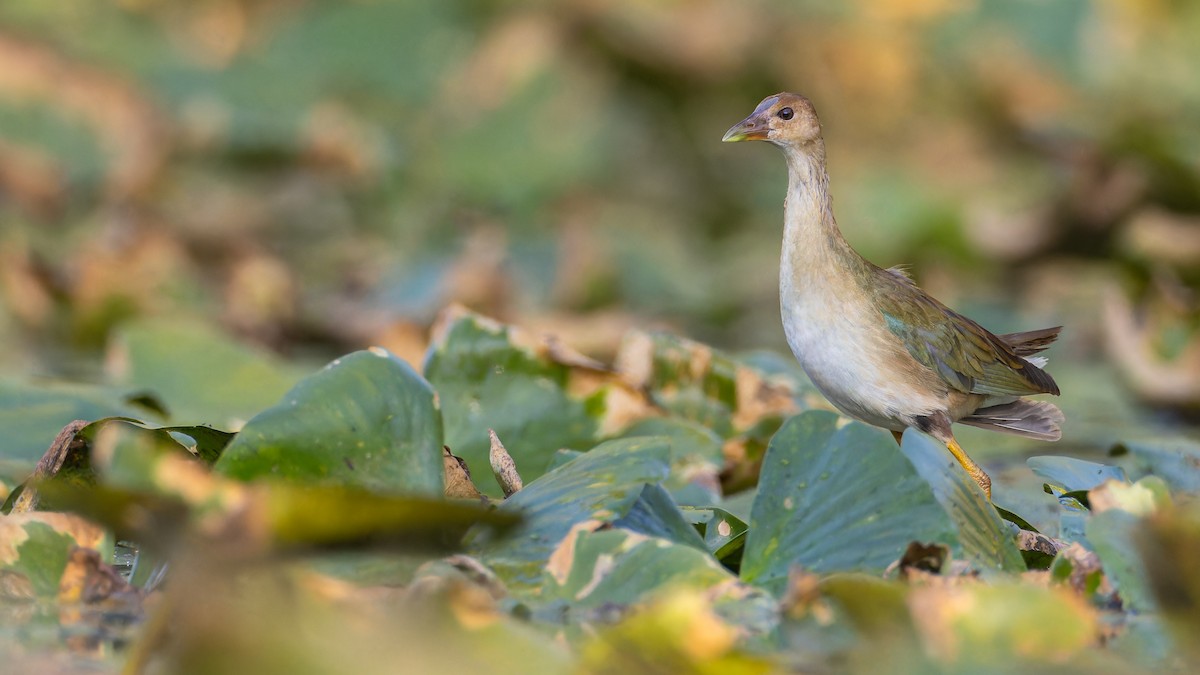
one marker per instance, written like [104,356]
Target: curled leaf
[503,466]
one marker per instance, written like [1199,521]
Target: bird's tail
[1030,342]
[1031,419]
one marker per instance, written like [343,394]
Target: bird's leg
[898,435]
[972,468]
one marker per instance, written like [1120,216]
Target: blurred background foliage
[319,176]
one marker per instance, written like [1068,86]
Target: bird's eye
[785,114]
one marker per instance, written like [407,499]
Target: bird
[880,349]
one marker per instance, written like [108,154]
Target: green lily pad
[656,514]
[601,486]
[31,415]
[619,566]
[1072,520]
[1176,461]
[132,455]
[594,572]
[365,420]
[563,456]
[740,504]
[1069,474]
[987,543]
[1146,643]
[846,499]
[201,441]
[486,380]
[696,458]
[833,499]
[875,606]
[1013,518]
[724,533]
[280,516]
[1169,543]
[200,375]
[325,516]
[1113,534]
[130,450]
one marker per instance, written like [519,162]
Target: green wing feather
[964,354]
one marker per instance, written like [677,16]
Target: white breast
[854,368]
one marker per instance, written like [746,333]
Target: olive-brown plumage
[879,348]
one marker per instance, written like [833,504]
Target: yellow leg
[972,468]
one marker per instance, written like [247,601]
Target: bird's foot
[973,469]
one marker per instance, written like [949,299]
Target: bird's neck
[815,255]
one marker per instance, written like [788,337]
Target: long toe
[973,470]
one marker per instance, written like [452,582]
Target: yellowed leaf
[88,579]
[12,531]
[563,558]
[982,620]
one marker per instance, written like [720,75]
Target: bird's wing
[963,353]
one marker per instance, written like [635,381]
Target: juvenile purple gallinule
[879,348]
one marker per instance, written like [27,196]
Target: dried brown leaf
[597,333]
[127,126]
[759,397]
[32,178]
[260,296]
[479,277]
[919,557]
[16,587]
[623,404]
[64,445]
[956,621]
[1035,541]
[458,478]
[408,340]
[135,267]
[513,51]
[755,396]
[338,138]
[803,595]
[26,292]
[706,40]
[1163,236]
[503,466]
[88,580]
[1173,382]
[211,33]
[1085,565]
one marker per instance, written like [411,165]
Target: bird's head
[787,120]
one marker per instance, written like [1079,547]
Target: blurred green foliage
[315,174]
